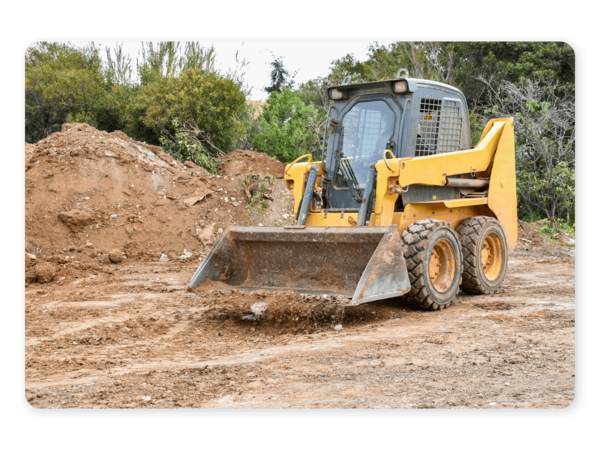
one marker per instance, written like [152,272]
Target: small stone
[146,398]
[164,258]
[492,404]
[285,216]
[507,384]
[260,224]
[236,204]
[338,327]
[113,216]
[232,198]
[220,231]
[116,256]
[189,164]
[44,272]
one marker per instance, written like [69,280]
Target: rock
[258,308]
[164,258]
[116,256]
[235,204]
[492,404]
[285,216]
[220,231]
[338,327]
[76,219]
[126,330]
[89,244]
[190,164]
[525,240]
[113,216]
[206,236]
[31,255]
[146,398]
[162,202]
[186,254]
[44,272]
[193,200]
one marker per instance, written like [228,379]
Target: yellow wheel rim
[491,256]
[442,266]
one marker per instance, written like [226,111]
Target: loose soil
[128,335]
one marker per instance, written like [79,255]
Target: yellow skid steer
[400,204]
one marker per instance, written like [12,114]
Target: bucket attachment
[363,262]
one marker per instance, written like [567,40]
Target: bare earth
[109,326]
[135,339]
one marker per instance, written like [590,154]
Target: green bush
[62,84]
[287,127]
[213,102]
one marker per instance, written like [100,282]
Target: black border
[580,334]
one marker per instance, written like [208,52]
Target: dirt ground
[108,325]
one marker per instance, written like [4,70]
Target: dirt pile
[90,193]
[246,162]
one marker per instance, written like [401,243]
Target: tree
[544,119]
[207,99]
[280,77]
[485,65]
[62,83]
[288,127]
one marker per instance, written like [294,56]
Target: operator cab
[403,117]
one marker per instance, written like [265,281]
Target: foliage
[551,233]
[174,82]
[256,189]
[191,144]
[484,66]
[544,143]
[169,59]
[289,128]
[429,60]
[211,101]
[62,84]
[280,77]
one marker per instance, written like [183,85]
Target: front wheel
[434,262]
[485,254]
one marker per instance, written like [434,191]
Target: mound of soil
[90,192]
[246,162]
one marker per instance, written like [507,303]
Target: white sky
[311,58]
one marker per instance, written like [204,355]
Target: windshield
[366,128]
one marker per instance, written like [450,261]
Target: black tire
[424,240]
[479,276]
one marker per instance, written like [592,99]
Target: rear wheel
[485,254]
[434,262]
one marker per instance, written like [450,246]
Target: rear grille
[440,126]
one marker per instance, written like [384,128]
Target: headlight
[335,94]
[400,87]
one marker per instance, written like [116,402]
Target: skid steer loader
[399,204]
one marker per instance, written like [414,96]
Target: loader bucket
[363,262]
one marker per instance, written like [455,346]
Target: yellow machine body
[493,158]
